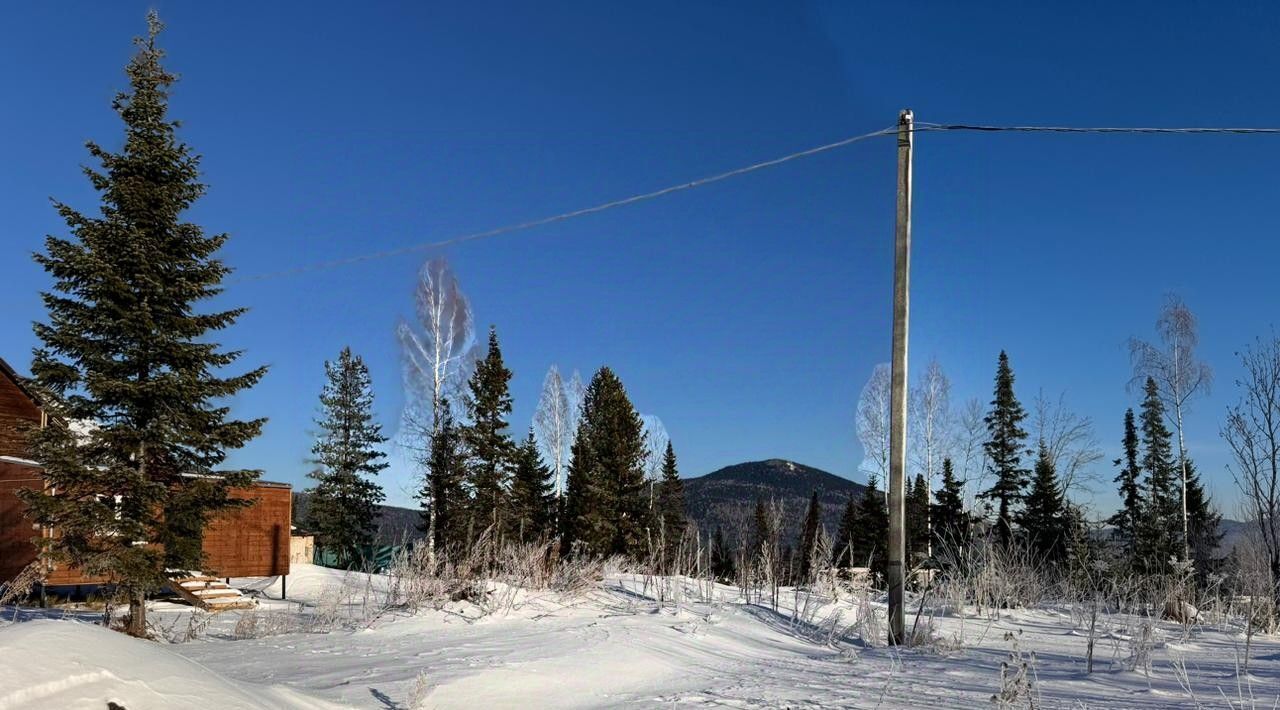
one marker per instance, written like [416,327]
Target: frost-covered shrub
[868,625]
[419,696]
[1017,677]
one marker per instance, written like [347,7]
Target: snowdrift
[310,583]
[70,665]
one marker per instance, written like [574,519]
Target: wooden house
[244,542]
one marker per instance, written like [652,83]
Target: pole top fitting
[906,116]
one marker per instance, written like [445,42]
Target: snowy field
[632,642]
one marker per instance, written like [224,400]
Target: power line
[1088,129]
[506,229]
[642,197]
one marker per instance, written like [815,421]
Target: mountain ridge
[726,498]
[723,498]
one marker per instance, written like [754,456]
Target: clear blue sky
[748,314]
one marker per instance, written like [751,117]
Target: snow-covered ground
[616,646]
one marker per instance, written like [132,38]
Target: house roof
[19,381]
[7,371]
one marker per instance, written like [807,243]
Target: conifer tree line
[479,482]
[1026,464]
[857,542]
[589,476]
[1005,475]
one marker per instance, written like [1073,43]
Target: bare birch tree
[1179,375]
[551,426]
[1070,440]
[931,422]
[1252,432]
[872,421]
[439,353]
[574,392]
[970,433]
[655,439]
[655,444]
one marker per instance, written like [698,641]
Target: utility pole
[898,383]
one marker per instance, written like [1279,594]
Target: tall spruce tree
[444,489]
[580,494]
[127,350]
[1158,541]
[767,553]
[344,504]
[809,538]
[531,493]
[1127,519]
[1084,549]
[1204,523]
[871,539]
[950,521]
[1043,519]
[849,524]
[762,531]
[606,510]
[671,513]
[489,444]
[722,566]
[1004,448]
[917,505]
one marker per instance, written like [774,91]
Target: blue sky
[747,314]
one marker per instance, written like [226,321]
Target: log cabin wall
[244,542]
[18,412]
[253,541]
[16,531]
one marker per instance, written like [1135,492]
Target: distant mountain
[395,525]
[1234,533]
[727,497]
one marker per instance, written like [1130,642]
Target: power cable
[507,229]
[921,126]
[642,197]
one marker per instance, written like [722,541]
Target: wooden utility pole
[898,384]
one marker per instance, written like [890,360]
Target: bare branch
[1172,363]
[440,350]
[575,392]
[655,438]
[971,456]
[872,422]
[1178,375]
[1070,440]
[1252,432]
[551,426]
[931,419]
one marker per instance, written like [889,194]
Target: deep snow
[615,646]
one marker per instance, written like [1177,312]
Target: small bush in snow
[1017,677]
[418,696]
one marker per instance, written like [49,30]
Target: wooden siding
[16,531]
[247,542]
[17,413]
[253,541]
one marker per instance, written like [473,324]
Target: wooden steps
[209,593]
